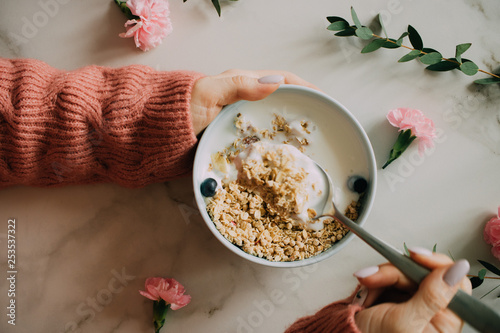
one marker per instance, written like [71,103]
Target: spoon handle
[474,312]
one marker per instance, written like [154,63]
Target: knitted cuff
[337,317]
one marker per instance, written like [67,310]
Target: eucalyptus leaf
[460,49]
[428,50]
[382,25]
[469,68]
[333,19]
[373,45]
[431,58]
[391,43]
[443,66]
[476,282]
[216,5]
[434,248]
[407,252]
[355,18]
[338,25]
[415,38]
[364,33]
[488,80]
[482,273]
[351,31]
[490,267]
[400,39]
[410,56]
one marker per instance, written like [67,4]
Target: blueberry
[357,184]
[208,187]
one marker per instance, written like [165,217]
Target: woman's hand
[211,93]
[396,304]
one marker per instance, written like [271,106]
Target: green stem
[160,309]
[486,277]
[445,59]
[405,138]
[125,10]
[489,292]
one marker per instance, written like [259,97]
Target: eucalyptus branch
[484,277]
[428,56]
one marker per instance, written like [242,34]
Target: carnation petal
[154,24]
[394,117]
[170,295]
[495,250]
[148,295]
[491,232]
[181,302]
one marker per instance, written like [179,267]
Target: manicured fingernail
[421,250]
[456,272]
[271,79]
[366,272]
[360,297]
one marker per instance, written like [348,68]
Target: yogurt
[286,177]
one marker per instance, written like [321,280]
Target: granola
[258,211]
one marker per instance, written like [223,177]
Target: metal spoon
[474,312]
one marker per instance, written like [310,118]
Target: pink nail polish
[456,272]
[271,79]
[366,272]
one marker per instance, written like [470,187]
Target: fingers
[253,85]
[429,259]
[235,88]
[422,308]
[289,78]
[436,291]
[211,93]
[432,260]
[379,279]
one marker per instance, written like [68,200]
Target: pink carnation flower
[414,120]
[153,24]
[171,291]
[492,234]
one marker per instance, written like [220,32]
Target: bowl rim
[369,196]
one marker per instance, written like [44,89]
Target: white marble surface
[83,252]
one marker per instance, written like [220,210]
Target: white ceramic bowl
[339,144]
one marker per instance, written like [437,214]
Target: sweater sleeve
[337,317]
[130,125]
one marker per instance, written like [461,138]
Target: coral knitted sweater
[129,125]
[338,317]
